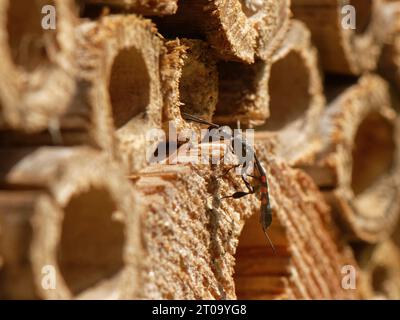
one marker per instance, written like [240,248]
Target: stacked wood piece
[238,30]
[120,57]
[37,67]
[71,212]
[342,48]
[363,189]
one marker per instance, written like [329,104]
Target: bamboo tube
[286,96]
[343,50]
[60,212]
[191,248]
[239,30]
[359,165]
[389,63]
[190,82]
[143,7]
[120,57]
[380,266]
[37,65]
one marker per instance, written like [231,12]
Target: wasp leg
[241,194]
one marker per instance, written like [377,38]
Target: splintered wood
[121,176]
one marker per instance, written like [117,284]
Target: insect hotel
[105,106]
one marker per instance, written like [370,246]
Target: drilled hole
[379,278]
[238,83]
[289,91]
[129,86]
[91,244]
[257,268]
[27,39]
[197,88]
[373,152]
[363,14]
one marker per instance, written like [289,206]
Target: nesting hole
[257,267]
[373,152]
[379,278]
[236,82]
[91,244]
[289,91]
[129,86]
[197,88]
[27,38]
[364,10]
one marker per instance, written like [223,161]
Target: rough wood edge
[103,42]
[342,50]
[52,177]
[190,82]
[32,100]
[333,168]
[143,7]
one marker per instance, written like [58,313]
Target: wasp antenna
[270,242]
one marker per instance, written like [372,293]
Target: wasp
[245,153]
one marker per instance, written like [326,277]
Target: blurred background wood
[59,209]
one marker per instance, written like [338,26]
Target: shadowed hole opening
[26,36]
[197,88]
[257,268]
[373,152]
[237,84]
[129,86]
[364,10]
[91,244]
[379,278]
[289,92]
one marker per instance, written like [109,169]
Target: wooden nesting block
[380,267]
[238,30]
[190,82]
[359,166]
[389,63]
[120,57]
[342,49]
[283,98]
[143,7]
[68,226]
[37,65]
[192,236]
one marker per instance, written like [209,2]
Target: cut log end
[37,63]
[345,48]
[364,189]
[238,30]
[125,82]
[294,117]
[82,227]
